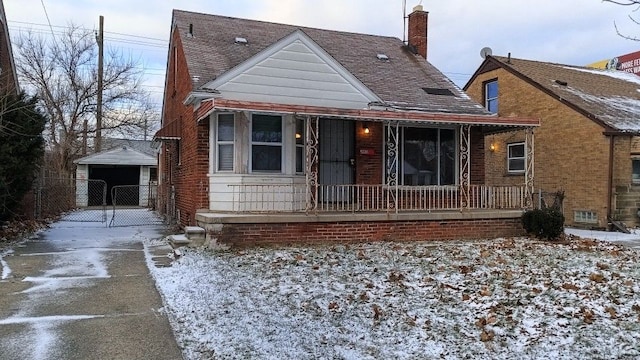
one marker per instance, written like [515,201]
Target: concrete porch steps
[193,236]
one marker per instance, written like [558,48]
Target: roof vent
[190,34]
[438,91]
[195,78]
[561,82]
[383,57]
[241,40]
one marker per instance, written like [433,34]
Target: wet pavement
[83,291]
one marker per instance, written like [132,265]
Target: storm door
[336,159]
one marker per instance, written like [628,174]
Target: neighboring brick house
[587,143]
[274,132]
[8,75]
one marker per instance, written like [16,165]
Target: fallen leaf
[377,312]
[569,286]
[487,335]
[481,322]
[465,269]
[536,290]
[602,266]
[595,277]
[465,297]
[485,291]
[333,305]
[612,312]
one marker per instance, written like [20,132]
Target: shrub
[544,224]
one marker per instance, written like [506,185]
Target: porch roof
[383,114]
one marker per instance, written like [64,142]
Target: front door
[336,156]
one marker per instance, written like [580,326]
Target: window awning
[171,131]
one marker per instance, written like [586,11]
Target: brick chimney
[418,21]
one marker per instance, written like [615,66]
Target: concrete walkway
[83,291]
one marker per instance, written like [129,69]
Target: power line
[47,16]
[106,32]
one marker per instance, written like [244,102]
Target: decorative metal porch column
[311,162]
[529,167]
[392,139]
[465,167]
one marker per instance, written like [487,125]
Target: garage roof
[118,156]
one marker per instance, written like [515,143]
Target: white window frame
[488,99]
[225,143]
[262,143]
[523,158]
[300,146]
[585,216]
[635,177]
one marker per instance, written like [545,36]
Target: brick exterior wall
[283,233]
[369,168]
[185,162]
[571,151]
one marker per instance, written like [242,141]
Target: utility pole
[100,39]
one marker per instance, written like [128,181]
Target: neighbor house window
[515,158]
[635,175]
[225,141]
[491,96]
[588,217]
[428,156]
[266,143]
[300,139]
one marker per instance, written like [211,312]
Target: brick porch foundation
[277,229]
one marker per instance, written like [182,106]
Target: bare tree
[632,3]
[63,72]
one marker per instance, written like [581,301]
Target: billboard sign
[629,63]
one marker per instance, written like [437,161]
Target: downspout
[610,179]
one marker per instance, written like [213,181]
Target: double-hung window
[491,96]
[266,143]
[225,141]
[516,157]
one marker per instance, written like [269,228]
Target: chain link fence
[134,205]
[64,197]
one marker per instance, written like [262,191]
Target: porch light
[298,136]
[492,147]
[366,129]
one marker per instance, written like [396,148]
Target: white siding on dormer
[294,75]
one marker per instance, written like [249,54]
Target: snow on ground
[491,299]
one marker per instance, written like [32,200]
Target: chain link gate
[134,205]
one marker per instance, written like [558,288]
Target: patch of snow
[6,270]
[46,319]
[621,75]
[615,104]
[492,299]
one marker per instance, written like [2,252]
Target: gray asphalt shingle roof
[399,82]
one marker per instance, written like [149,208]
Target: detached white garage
[117,166]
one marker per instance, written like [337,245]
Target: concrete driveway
[83,291]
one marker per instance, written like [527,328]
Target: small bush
[544,224]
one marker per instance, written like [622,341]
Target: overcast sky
[576,32]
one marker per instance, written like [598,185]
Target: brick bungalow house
[273,132]
[587,144]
